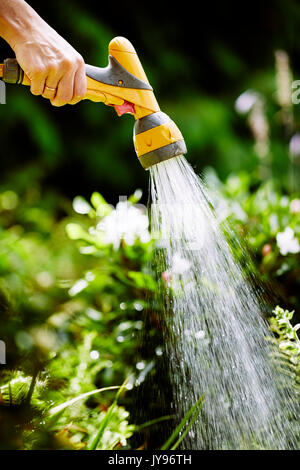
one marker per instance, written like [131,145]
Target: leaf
[100,204]
[142,280]
[81,206]
[194,409]
[136,196]
[97,437]
[153,421]
[60,408]
[76,232]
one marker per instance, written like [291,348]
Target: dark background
[199,57]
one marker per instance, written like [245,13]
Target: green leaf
[194,409]
[100,204]
[136,196]
[76,232]
[97,437]
[81,206]
[57,410]
[153,421]
[142,280]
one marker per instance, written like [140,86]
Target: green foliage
[74,290]
[184,426]
[263,225]
[287,345]
[287,336]
[197,72]
[73,301]
[260,208]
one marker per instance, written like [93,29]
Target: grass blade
[194,409]
[56,411]
[104,422]
[187,429]
[153,421]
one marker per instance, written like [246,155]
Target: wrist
[17,21]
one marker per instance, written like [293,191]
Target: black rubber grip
[12,71]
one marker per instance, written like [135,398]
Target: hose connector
[12,72]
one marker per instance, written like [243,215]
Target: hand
[56,70]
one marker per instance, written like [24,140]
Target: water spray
[215,337]
[123,84]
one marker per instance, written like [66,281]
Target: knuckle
[52,68]
[79,61]
[67,64]
[38,71]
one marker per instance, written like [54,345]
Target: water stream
[216,335]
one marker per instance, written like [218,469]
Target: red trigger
[124,108]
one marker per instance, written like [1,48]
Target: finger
[80,85]
[79,89]
[37,85]
[64,93]
[75,100]
[50,88]
[49,92]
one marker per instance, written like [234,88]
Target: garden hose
[124,85]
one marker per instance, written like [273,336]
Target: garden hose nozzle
[124,85]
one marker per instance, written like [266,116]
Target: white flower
[179,265]
[81,206]
[295,206]
[246,101]
[287,242]
[126,223]
[94,355]
[78,287]
[200,334]
[294,146]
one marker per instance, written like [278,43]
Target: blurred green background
[198,62]
[76,296]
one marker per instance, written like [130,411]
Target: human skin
[46,58]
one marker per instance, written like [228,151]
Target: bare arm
[56,70]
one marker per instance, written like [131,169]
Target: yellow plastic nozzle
[124,85]
[123,51]
[110,93]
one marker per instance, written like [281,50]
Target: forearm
[55,69]
[17,21]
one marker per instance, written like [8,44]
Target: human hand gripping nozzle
[124,85]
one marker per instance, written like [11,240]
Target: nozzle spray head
[156,139]
[156,136]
